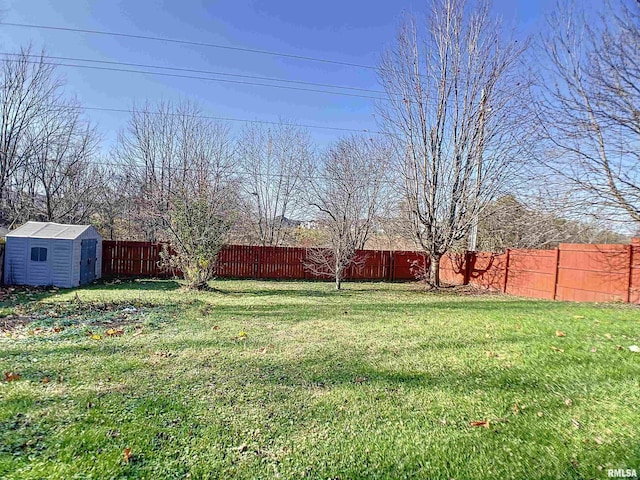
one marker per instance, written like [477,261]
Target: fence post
[259,263]
[555,279]
[392,265]
[506,271]
[466,279]
[628,296]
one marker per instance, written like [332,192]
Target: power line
[193,77]
[190,70]
[230,119]
[189,42]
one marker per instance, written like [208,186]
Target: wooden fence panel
[593,273]
[487,270]
[408,265]
[453,268]
[532,273]
[572,272]
[634,272]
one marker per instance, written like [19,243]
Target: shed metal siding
[98,257]
[75,262]
[15,265]
[61,251]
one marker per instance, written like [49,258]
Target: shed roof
[49,230]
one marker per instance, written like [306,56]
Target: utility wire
[190,70]
[189,42]
[228,119]
[193,77]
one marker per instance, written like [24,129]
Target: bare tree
[182,167]
[148,150]
[63,180]
[511,223]
[346,187]
[588,106]
[272,161]
[452,91]
[28,91]
[116,197]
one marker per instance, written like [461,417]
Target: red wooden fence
[571,272]
[142,259]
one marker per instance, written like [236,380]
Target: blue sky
[349,30]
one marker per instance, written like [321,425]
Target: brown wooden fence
[576,272]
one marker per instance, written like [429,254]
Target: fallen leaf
[608,335]
[95,336]
[112,332]
[598,440]
[58,329]
[556,349]
[11,376]
[594,349]
[266,349]
[360,380]
[568,402]
[480,423]
[126,455]
[163,354]
[243,448]
[215,327]
[576,423]
[619,347]
[540,414]
[634,348]
[515,409]
[577,317]
[560,333]
[242,334]
[46,380]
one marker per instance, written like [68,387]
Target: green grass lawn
[293,380]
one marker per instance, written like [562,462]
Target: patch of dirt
[40,316]
[462,290]
[11,294]
[13,322]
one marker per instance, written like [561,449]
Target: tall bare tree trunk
[434,270]
[339,273]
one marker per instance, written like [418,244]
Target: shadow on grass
[12,295]
[273,292]
[135,284]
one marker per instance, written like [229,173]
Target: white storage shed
[44,253]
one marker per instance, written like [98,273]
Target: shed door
[88,261]
[38,262]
